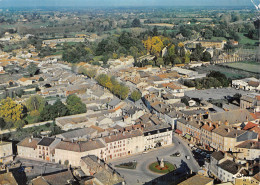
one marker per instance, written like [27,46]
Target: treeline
[35,109]
[213,79]
[112,47]
[118,89]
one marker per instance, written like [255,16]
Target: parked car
[177,154]
[188,157]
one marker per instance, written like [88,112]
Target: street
[142,174]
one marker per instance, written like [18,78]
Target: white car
[188,157]
[145,152]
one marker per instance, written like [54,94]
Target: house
[113,103]
[71,152]
[6,152]
[247,101]
[248,150]
[248,180]
[156,135]
[124,143]
[45,148]
[215,159]
[25,81]
[27,148]
[102,172]
[249,84]
[198,180]
[228,171]
[225,138]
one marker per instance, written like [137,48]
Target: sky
[117,3]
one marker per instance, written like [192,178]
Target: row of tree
[36,108]
[118,89]
[213,79]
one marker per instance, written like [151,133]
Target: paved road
[141,174]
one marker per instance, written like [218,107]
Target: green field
[245,40]
[247,66]
[232,72]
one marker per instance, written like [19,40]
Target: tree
[155,31]
[123,91]
[206,56]
[135,95]
[208,34]
[32,69]
[136,23]
[197,54]
[75,105]
[35,102]
[61,109]
[10,110]
[48,113]
[2,123]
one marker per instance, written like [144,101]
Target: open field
[160,24]
[245,40]
[250,67]
[233,73]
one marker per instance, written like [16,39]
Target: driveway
[142,174]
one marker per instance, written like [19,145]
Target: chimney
[247,165]
[226,123]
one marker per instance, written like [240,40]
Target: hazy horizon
[118,3]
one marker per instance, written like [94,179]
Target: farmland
[233,70]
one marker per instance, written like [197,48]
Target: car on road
[177,154]
[188,157]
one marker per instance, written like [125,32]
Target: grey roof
[78,133]
[217,155]
[115,101]
[230,166]
[233,117]
[247,136]
[46,141]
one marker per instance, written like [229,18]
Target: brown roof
[197,180]
[80,146]
[253,84]
[23,79]
[249,145]
[230,166]
[29,142]
[257,176]
[218,155]
[7,178]
[209,128]
[121,136]
[250,125]
[59,178]
[97,128]
[227,131]
[39,181]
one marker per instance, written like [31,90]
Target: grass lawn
[251,67]
[218,38]
[245,40]
[130,165]
[170,167]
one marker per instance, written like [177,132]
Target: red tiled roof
[178,131]
[249,125]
